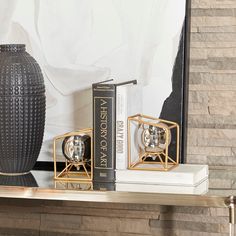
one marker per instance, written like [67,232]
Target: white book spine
[121,128]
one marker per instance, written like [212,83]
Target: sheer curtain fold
[79,42]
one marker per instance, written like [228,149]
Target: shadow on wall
[82,103]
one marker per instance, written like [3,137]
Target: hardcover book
[104,129]
[200,189]
[182,175]
[104,186]
[104,132]
[128,102]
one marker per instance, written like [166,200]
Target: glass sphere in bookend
[153,139]
[75,149]
[149,140]
[22,106]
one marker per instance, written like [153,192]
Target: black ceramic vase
[22,109]
[26,180]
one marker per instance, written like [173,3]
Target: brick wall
[212,89]
[50,218]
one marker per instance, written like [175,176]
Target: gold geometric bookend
[77,154]
[148,143]
[74,185]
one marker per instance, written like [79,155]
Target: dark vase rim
[12,47]
[12,44]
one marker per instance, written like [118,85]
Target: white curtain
[79,42]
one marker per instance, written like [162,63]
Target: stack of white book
[183,179]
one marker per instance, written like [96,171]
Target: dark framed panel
[175,107]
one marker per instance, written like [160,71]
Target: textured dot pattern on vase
[22,105]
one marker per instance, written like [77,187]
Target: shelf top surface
[214,192]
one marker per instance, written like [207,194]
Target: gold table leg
[231,204]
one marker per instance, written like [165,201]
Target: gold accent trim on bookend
[162,157]
[74,185]
[67,174]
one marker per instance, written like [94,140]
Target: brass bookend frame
[162,159]
[74,185]
[68,174]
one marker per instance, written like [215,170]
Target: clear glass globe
[153,138]
[77,148]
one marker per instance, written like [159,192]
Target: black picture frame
[175,107]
